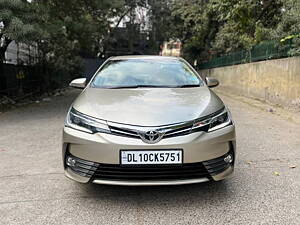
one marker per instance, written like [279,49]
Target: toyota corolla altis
[148,120]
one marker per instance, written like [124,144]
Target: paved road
[33,189]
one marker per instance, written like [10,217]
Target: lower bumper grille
[216,166]
[117,172]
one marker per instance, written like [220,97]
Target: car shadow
[159,195]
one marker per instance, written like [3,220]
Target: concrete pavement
[33,189]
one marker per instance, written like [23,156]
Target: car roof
[152,57]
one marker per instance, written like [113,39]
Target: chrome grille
[168,131]
[124,132]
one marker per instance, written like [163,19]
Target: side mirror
[212,82]
[78,83]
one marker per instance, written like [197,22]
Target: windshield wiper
[138,86]
[151,86]
[188,86]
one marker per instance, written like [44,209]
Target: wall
[275,81]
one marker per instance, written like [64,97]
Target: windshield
[134,73]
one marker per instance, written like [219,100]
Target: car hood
[148,106]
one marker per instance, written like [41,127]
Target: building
[171,48]
[21,54]
[129,40]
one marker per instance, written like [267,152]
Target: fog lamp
[228,159]
[70,161]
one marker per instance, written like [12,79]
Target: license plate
[150,157]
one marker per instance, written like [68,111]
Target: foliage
[244,23]
[70,29]
[159,17]
[65,30]
[210,27]
[85,29]
[288,29]
[18,23]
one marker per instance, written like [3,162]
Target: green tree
[160,22]
[18,23]
[244,23]
[195,24]
[91,24]
[288,29]
[215,27]
[73,29]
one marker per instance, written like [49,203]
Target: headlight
[79,121]
[213,122]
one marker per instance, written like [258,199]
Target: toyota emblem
[151,137]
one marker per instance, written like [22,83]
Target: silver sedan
[148,120]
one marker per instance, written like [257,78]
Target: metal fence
[264,51]
[17,81]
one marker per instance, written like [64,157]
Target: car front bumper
[204,151]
